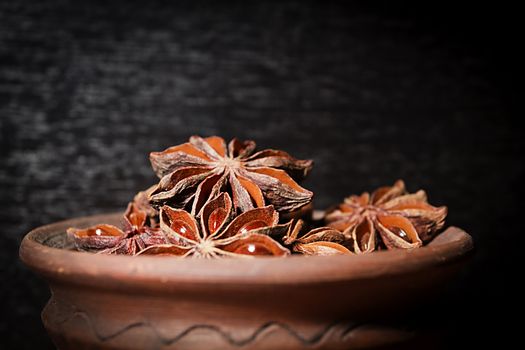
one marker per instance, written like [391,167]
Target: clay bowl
[148,302]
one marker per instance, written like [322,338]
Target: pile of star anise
[217,200]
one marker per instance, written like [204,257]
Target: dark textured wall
[372,93]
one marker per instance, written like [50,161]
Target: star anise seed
[319,241]
[132,238]
[197,171]
[390,216]
[141,203]
[216,234]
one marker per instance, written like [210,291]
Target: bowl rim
[161,272]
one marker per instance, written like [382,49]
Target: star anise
[216,235]
[142,203]
[319,241]
[197,171]
[132,238]
[390,216]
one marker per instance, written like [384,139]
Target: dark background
[372,92]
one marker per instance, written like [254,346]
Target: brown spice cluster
[217,200]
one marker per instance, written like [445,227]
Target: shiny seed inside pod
[398,231]
[216,218]
[182,229]
[363,235]
[253,249]
[99,232]
[135,219]
[252,225]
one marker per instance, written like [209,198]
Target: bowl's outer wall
[295,302]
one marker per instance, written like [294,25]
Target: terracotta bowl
[148,302]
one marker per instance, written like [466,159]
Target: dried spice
[197,171]
[134,237]
[142,203]
[215,234]
[390,217]
[319,241]
[216,200]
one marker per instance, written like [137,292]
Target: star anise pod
[132,238]
[216,235]
[142,203]
[197,171]
[319,241]
[390,216]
